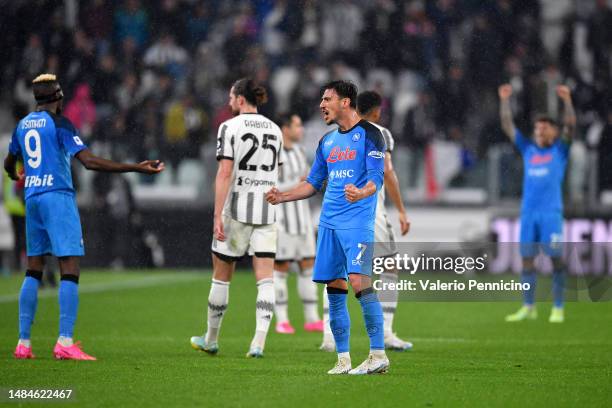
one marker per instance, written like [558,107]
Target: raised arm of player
[505,111]
[569,114]
[392,188]
[92,162]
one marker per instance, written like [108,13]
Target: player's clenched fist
[505,91]
[352,193]
[151,166]
[564,92]
[273,196]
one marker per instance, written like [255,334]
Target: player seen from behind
[249,151]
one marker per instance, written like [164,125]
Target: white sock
[282,296]
[327,333]
[264,310]
[388,301]
[346,354]
[217,305]
[25,342]
[307,290]
[378,353]
[65,341]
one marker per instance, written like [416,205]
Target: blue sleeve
[375,157]
[68,137]
[564,147]
[318,171]
[520,141]
[14,146]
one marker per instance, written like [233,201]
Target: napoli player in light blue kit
[544,162]
[351,160]
[46,141]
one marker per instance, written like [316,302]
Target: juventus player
[368,106]
[295,233]
[249,153]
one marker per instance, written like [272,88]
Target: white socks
[388,301]
[327,333]
[217,305]
[65,341]
[281,292]
[264,311]
[25,342]
[307,290]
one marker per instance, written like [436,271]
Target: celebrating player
[45,141]
[295,233]
[249,153]
[351,159]
[544,162]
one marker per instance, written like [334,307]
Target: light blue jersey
[46,142]
[351,157]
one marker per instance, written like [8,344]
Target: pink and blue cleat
[314,326]
[73,352]
[23,353]
[284,328]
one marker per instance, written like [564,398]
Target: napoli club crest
[356,137]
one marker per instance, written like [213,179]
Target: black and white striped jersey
[254,143]
[390,145]
[294,217]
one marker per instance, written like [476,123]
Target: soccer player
[296,241]
[544,162]
[45,141]
[369,106]
[249,151]
[351,160]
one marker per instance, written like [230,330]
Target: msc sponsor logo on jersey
[538,171]
[35,181]
[34,123]
[376,154]
[247,181]
[341,174]
[337,154]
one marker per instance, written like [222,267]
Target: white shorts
[384,236]
[295,247]
[240,238]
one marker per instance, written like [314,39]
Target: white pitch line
[144,282]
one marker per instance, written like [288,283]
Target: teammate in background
[249,153]
[45,141]
[296,238]
[544,162]
[351,159]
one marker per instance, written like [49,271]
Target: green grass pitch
[138,325]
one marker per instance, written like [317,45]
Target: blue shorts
[53,225]
[541,230]
[340,252]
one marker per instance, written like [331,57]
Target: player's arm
[392,188]
[505,111]
[375,150]
[93,162]
[307,188]
[223,182]
[569,114]
[10,166]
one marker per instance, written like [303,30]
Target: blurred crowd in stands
[150,78]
